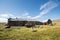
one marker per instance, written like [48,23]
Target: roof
[20,19]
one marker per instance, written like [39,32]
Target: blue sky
[36,9]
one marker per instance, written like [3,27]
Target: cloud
[4,17]
[8,15]
[3,20]
[26,16]
[43,6]
[46,8]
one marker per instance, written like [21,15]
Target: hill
[57,21]
[44,32]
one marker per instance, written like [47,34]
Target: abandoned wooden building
[20,22]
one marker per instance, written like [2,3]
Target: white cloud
[45,20]
[4,17]
[3,20]
[25,14]
[46,8]
[43,6]
[8,15]
[27,17]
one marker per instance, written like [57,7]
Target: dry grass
[44,32]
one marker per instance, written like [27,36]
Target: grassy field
[44,32]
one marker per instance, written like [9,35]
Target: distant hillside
[57,21]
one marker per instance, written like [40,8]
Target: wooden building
[22,22]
